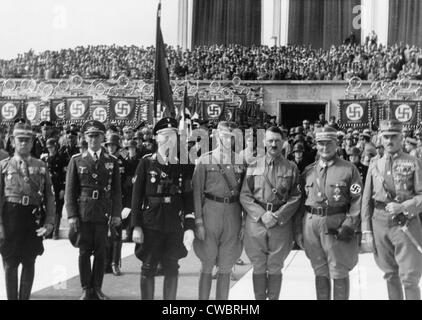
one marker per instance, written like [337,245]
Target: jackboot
[147,288]
[115,265]
[11,274]
[205,281]
[274,286]
[170,287]
[341,289]
[223,286]
[394,288]
[260,286]
[27,279]
[323,288]
[412,292]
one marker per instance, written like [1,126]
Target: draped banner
[57,111]
[407,112]
[404,22]
[32,111]
[77,108]
[11,110]
[355,113]
[99,112]
[146,111]
[230,113]
[123,109]
[213,110]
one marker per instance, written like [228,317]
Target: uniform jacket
[38,187]
[407,174]
[57,168]
[83,176]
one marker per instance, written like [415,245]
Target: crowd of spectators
[369,61]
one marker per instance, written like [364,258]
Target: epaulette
[77,155]
[148,155]
[309,167]
[4,162]
[110,156]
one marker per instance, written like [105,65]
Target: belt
[268,206]
[24,200]
[328,211]
[94,194]
[163,198]
[231,199]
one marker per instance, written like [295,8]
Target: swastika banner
[230,113]
[57,110]
[355,113]
[31,111]
[99,112]
[77,108]
[123,109]
[213,110]
[10,110]
[407,112]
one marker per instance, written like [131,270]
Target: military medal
[153,176]
[337,193]
[9,176]
[163,175]
[94,175]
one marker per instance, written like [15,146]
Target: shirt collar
[324,164]
[18,158]
[97,152]
[269,159]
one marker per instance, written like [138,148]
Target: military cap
[22,129]
[226,127]
[74,237]
[51,142]
[354,152]
[355,133]
[46,124]
[366,133]
[127,128]
[349,130]
[93,126]
[390,127]
[165,125]
[340,134]
[325,134]
[305,121]
[292,131]
[298,130]
[411,141]
[298,147]
[370,151]
[113,139]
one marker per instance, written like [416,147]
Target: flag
[162,88]
[183,110]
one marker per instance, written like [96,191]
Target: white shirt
[92,153]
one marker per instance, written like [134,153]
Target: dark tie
[388,176]
[95,157]
[322,180]
[24,170]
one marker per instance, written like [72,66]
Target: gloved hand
[137,235]
[268,220]
[115,222]
[345,233]
[45,231]
[188,239]
[74,223]
[200,232]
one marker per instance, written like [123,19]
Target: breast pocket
[339,192]
[284,182]
[11,181]
[151,212]
[309,188]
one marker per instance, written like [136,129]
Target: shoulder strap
[273,189]
[229,185]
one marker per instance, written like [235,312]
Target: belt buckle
[95,194]
[25,200]
[226,200]
[167,200]
[270,207]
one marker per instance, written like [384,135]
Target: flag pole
[156,63]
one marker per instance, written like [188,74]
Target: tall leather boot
[341,289]
[27,279]
[170,287]
[205,281]
[412,292]
[323,288]
[97,278]
[115,265]
[223,286]
[274,286]
[85,276]
[108,256]
[260,286]
[394,288]
[11,274]
[56,227]
[147,288]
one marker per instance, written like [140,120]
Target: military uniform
[397,179]
[271,185]
[331,219]
[26,204]
[93,195]
[216,189]
[56,165]
[162,205]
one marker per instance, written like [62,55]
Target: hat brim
[94,131]
[389,133]
[166,131]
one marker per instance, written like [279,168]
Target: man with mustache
[270,196]
[332,188]
[392,199]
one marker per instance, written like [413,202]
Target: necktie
[388,177]
[95,157]
[322,178]
[24,170]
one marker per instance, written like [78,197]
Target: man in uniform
[332,187]
[56,165]
[93,195]
[270,196]
[161,199]
[40,143]
[392,201]
[114,240]
[217,181]
[25,187]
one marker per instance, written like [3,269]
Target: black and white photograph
[198,150]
